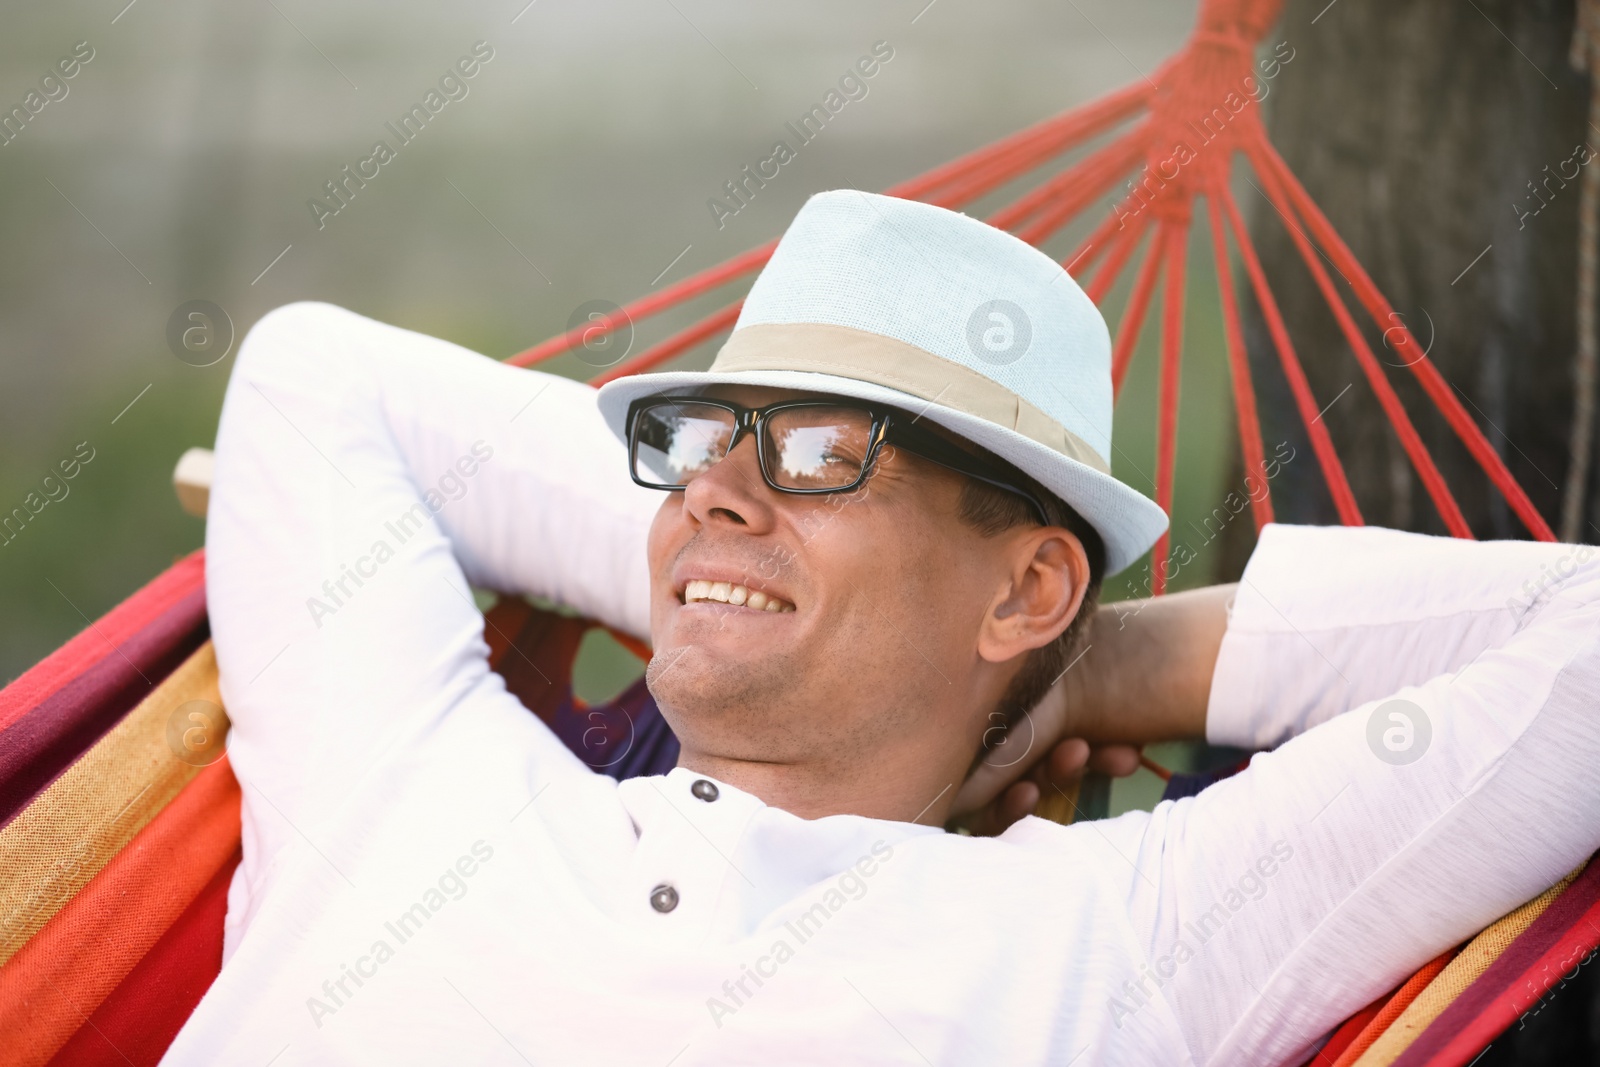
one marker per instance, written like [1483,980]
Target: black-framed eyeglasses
[804,446]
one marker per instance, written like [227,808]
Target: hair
[992,511]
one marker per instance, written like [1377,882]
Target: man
[864,538]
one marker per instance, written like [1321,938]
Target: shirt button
[663,898]
[706,791]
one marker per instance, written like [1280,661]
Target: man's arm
[1147,667]
[356,464]
[1278,901]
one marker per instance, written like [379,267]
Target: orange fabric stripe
[62,975]
[1346,1035]
[1398,1003]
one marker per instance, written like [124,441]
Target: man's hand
[1045,750]
[1144,676]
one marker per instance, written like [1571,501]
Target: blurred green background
[180,163]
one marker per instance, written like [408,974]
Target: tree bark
[1435,137]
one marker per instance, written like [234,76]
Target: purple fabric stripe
[1183,784]
[1502,975]
[45,740]
[626,738]
[1186,784]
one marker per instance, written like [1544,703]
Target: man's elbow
[289,338]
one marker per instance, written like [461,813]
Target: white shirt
[429,876]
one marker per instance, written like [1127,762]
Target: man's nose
[733,492]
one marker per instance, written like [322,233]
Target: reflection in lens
[818,448]
[696,444]
[675,442]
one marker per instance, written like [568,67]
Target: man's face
[882,590]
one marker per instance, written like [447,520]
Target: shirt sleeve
[1436,703]
[365,475]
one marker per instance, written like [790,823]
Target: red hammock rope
[1332,470]
[1202,92]
[1126,240]
[1239,368]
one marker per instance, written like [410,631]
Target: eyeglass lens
[808,447]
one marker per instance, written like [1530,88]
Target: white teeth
[700,589]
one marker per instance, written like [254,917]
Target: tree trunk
[1435,137]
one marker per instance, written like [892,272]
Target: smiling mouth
[701,591]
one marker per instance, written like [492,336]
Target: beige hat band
[870,357]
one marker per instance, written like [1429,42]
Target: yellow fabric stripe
[72,829]
[1461,972]
[1058,804]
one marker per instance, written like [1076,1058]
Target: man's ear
[1038,596]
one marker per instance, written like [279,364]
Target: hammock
[119,813]
[118,866]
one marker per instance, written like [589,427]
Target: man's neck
[813,791]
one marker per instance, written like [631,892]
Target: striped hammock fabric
[119,834]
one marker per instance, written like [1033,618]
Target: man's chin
[693,666]
[707,678]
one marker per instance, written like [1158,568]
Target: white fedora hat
[916,307]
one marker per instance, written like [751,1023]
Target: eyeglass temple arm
[930,447]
